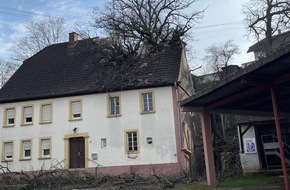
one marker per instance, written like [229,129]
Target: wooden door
[77,153]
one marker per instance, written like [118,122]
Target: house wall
[96,125]
[188,130]
[250,161]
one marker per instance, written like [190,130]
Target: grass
[195,186]
[247,181]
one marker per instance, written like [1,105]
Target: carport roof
[248,91]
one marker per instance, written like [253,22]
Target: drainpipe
[178,114]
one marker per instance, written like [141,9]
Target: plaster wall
[158,125]
[250,161]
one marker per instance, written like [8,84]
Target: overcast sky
[223,21]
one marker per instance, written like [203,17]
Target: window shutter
[76,107]
[10,113]
[28,112]
[8,149]
[26,145]
[45,144]
[46,111]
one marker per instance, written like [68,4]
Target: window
[132,142]
[45,148]
[9,117]
[45,113]
[27,115]
[103,142]
[114,106]
[75,110]
[7,151]
[147,102]
[25,149]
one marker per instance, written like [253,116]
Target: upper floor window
[27,115]
[9,116]
[75,110]
[147,102]
[25,149]
[45,113]
[7,151]
[45,147]
[114,106]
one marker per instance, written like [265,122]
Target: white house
[76,105]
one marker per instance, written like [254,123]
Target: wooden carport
[260,89]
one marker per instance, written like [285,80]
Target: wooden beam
[208,149]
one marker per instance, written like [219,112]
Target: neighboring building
[82,105]
[259,148]
[280,40]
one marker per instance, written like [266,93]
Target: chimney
[73,37]
[279,31]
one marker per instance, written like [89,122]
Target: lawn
[236,182]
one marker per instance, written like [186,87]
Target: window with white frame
[132,142]
[26,149]
[147,102]
[27,115]
[45,148]
[10,117]
[8,150]
[114,106]
[46,113]
[76,110]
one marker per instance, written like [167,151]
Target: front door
[77,152]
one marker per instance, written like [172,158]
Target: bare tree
[220,55]
[149,22]
[7,69]
[39,34]
[265,17]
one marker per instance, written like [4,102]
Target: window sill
[26,124]
[78,119]
[112,116]
[132,155]
[7,126]
[148,112]
[45,122]
[7,160]
[25,159]
[44,158]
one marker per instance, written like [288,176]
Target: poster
[250,145]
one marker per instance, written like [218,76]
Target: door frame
[67,138]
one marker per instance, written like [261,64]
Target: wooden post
[208,149]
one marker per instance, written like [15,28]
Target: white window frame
[114,106]
[26,115]
[4,152]
[43,118]
[42,149]
[147,102]
[7,117]
[73,113]
[23,149]
[132,144]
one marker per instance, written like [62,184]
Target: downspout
[178,115]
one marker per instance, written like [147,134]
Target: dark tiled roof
[279,41]
[90,66]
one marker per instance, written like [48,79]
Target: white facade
[94,126]
[249,159]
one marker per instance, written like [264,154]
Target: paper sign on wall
[250,145]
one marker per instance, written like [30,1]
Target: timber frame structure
[260,89]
